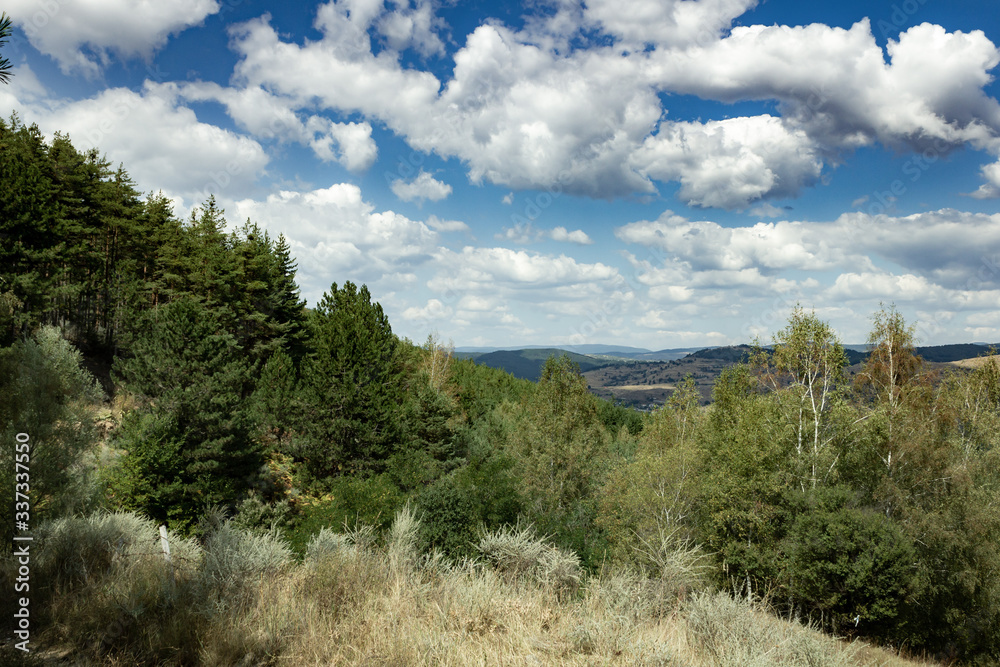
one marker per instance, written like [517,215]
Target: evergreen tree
[352,386]
[4,34]
[190,446]
[269,313]
[29,216]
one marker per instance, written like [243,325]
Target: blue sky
[656,173]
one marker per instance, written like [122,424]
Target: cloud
[838,87]
[412,27]
[269,116]
[486,267]
[577,236]
[350,144]
[432,310]
[184,157]
[335,235]
[81,35]
[532,109]
[665,22]
[767,246]
[730,163]
[991,188]
[424,186]
[766,210]
[525,233]
[439,225]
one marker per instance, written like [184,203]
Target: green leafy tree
[561,447]
[352,387]
[741,511]
[805,372]
[190,446]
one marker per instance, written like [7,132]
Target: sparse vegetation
[361,597]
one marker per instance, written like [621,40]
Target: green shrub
[46,394]
[351,501]
[852,567]
[450,516]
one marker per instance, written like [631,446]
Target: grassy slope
[244,601]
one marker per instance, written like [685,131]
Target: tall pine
[190,446]
[352,387]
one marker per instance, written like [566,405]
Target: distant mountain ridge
[527,362]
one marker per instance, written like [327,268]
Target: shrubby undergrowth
[363,596]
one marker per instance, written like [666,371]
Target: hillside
[649,384]
[527,364]
[643,380]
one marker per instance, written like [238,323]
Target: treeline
[867,504]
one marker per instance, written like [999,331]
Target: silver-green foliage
[44,393]
[236,561]
[521,554]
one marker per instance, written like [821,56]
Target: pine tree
[5,66]
[190,446]
[352,386]
[269,313]
[29,213]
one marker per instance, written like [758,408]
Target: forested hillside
[312,455]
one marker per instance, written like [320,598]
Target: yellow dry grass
[360,604]
[639,387]
[976,362]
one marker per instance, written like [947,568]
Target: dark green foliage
[352,387]
[481,389]
[615,416]
[276,404]
[449,517]
[850,567]
[483,493]
[350,501]
[190,447]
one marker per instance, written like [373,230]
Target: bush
[450,517]
[739,633]
[46,394]
[520,553]
[850,566]
[72,551]
[235,562]
[352,501]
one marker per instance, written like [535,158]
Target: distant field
[638,387]
[975,362]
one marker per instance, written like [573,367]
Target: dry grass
[638,387]
[976,362]
[361,600]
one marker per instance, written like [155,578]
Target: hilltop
[645,379]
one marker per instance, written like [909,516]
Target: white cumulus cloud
[81,35]
[424,186]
